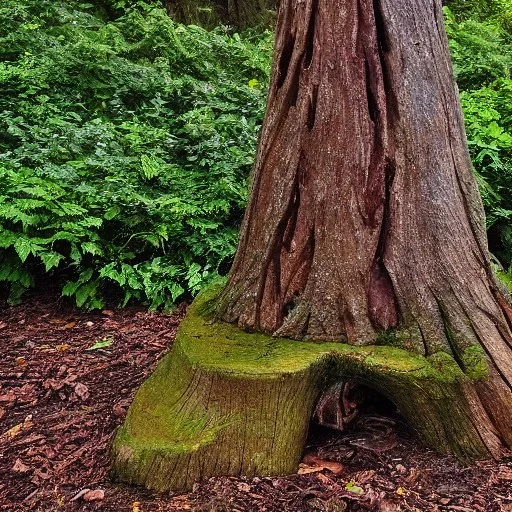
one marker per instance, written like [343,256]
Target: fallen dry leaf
[304,469]
[313,464]
[8,397]
[401,469]
[19,467]
[95,495]
[52,384]
[82,391]
[14,431]
[26,393]
[136,506]
[70,325]
[255,496]
[324,479]
[414,475]
[43,474]
[363,477]
[70,379]
[62,348]
[334,467]
[505,473]
[21,361]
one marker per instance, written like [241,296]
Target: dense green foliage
[126,140]
[481,46]
[125,147]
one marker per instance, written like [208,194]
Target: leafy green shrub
[126,141]
[482,10]
[124,149]
[481,47]
[481,52]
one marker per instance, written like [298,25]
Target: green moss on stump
[227,402]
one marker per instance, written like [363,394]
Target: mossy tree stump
[226,402]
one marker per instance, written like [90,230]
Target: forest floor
[67,378]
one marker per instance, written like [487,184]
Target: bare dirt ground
[61,402]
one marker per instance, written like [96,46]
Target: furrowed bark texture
[365,220]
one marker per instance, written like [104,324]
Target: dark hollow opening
[351,418]
[342,404]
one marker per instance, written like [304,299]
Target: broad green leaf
[51,259]
[112,212]
[103,343]
[24,247]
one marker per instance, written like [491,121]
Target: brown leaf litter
[61,403]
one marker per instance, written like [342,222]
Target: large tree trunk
[365,223]
[365,226]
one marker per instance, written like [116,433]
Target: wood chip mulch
[67,378]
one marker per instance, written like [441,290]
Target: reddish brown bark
[364,215]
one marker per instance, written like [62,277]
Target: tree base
[227,402]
